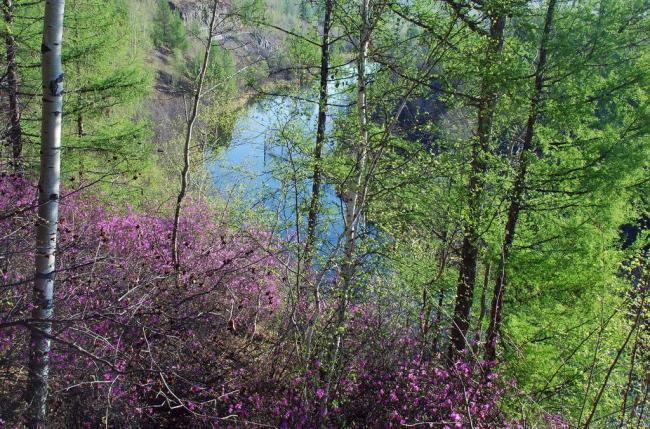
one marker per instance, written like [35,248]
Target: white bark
[48,211]
[356,194]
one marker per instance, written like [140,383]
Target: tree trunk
[188,139]
[14,135]
[353,198]
[483,306]
[470,248]
[443,255]
[435,345]
[48,213]
[80,125]
[518,190]
[636,280]
[314,205]
[619,353]
[356,195]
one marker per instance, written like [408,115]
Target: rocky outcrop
[246,42]
[193,12]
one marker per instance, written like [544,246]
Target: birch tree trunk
[356,194]
[353,197]
[188,139]
[518,189]
[14,135]
[48,213]
[471,234]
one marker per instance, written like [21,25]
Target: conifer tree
[169,31]
[105,75]
[14,132]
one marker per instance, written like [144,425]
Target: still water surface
[253,164]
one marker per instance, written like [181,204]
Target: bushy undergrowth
[136,344]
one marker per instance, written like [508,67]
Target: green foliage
[302,57]
[169,30]
[106,79]
[220,72]
[220,88]
[105,137]
[590,153]
[569,302]
[283,13]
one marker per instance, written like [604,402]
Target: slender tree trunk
[356,194]
[630,377]
[620,351]
[437,321]
[518,190]
[424,312]
[483,305]
[353,197]
[636,279]
[75,24]
[48,213]
[15,131]
[471,236]
[188,139]
[443,255]
[464,292]
[314,205]
[80,125]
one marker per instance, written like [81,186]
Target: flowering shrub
[137,344]
[387,382]
[131,336]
